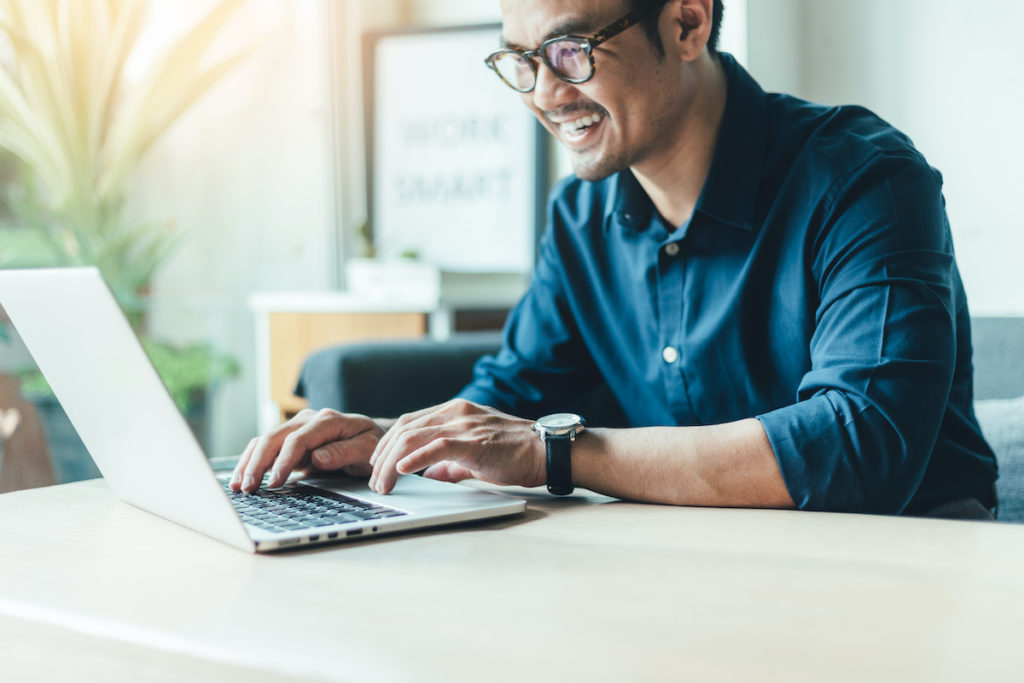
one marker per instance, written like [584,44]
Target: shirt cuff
[815,455]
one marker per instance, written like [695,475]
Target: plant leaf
[143,118]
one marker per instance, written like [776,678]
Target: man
[767,286]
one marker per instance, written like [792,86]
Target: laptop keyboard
[297,506]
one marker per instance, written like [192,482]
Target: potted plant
[75,127]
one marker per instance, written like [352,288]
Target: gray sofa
[999,404]
[389,378]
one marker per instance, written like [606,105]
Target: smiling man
[767,286]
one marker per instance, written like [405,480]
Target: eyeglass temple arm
[609,32]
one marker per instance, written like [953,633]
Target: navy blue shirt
[814,288]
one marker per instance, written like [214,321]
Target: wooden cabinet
[291,326]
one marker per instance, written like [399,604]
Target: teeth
[582,122]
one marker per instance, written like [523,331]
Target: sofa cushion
[392,377]
[1002,422]
[997,343]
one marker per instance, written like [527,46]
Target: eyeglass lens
[515,70]
[567,58]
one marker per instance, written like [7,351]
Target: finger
[266,450]
[431,453]
[327,427]
[386,442]
[236,474]
[350,453]
[389,436]
[443,415]
[442,448]
[404,439]
[293,453]
[424,415]
[361,470]
[449,471]
[290,457]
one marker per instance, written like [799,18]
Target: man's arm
[728,465]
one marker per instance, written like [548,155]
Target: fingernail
[321,459]
[247,483]
[274,480]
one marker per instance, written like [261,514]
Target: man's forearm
[729,465]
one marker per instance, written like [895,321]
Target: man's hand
[460,440]
[325,440]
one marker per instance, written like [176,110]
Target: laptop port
[315,537]
[354,532]
[333,534]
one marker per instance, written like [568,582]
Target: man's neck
[675,177]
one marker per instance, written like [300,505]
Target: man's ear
[689,27]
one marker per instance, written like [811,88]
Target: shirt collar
[628,201]
[730,191]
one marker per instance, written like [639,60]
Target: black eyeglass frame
[587,43]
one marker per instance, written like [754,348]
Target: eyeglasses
[570,58]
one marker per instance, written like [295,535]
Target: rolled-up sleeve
[869,410]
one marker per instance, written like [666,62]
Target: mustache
[576,109]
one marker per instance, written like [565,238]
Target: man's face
[616,119]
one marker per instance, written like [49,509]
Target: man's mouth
[577,129]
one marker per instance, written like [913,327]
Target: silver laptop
[77,334]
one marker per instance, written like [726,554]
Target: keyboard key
[343,518]
[297,506]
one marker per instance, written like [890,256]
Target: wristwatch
[558,432]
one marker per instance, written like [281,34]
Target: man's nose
[551,92]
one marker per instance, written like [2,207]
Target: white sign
[454,157]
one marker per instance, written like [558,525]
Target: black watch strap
[559,464]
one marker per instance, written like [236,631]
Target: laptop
[98,370]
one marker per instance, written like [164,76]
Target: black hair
[650,24]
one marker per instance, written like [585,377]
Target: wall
[251,173]
[453,12]
[247,173]
[948,75]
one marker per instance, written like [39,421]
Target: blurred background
[213,159]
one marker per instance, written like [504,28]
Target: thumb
[448,471]
[352,453]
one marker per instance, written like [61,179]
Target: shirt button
[672,249]
[670,354]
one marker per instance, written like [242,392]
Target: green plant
[79,127]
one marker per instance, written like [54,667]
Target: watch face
[559,421]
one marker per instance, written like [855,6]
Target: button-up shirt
[814,288]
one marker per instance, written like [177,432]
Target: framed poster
[456,162]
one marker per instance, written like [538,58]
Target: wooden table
[584,588]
